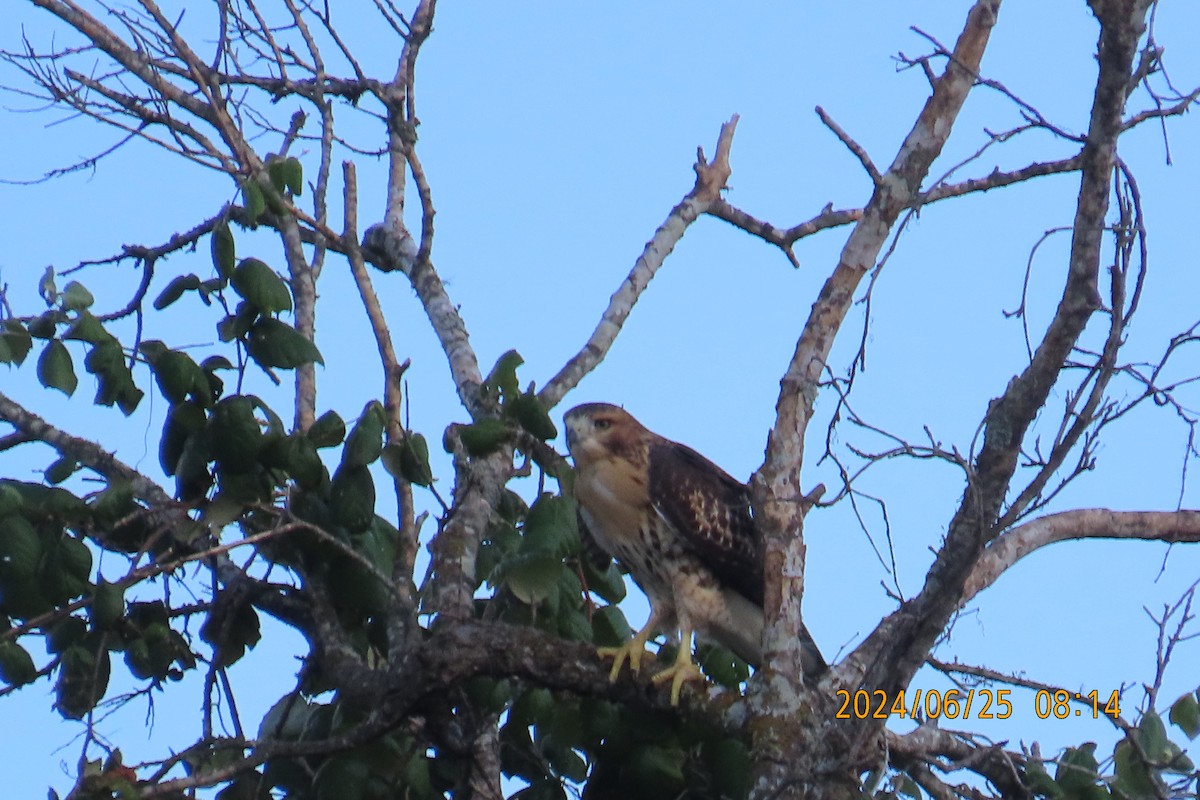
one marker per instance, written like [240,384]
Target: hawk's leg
[633,650]
[683,670]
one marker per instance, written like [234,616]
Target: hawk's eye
[602,423]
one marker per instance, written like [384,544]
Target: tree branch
[1085,523]
[86,452]
[893,652]
[777,484]
[710,181]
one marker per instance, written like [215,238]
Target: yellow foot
[632,651]
[679,673]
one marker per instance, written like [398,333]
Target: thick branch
[778,698]
[449,657]
[930,744]
[892,654]
[1086,523]
[777,483]
[86,452]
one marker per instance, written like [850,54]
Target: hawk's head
[596,431]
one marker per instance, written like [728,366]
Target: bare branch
[710,181]
[851,145]
[892,653]
[1087,523]
[392,372]
[777,483]
[88,453]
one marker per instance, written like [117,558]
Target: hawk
[683,528]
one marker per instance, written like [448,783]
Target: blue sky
[556,138]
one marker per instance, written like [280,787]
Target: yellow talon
[683,670]
[632,651]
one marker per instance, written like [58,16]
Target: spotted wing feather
[711,510]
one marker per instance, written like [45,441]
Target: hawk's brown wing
[711,510]
[589,549]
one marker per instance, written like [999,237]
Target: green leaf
[60,505]
[608,585]
[46,286]
[234,437]
[66,570]
[532,577]
[409,460]
[535,706]
[75,297]
[231,629]
[106,358]
[222,510]
[1185,714]
[550,527]
[55,369]
[108,604]
[286,173]
[115,502]
[657,769]
[417,778]
[275,172]
[16,665]
[24,598]
[261,286]
[502,380]
[253,201]
[292,719]
[729,764]
[601,719]
[353,497]
[531,415]
[293,175]
[15,342]
[239,323]
[365,442]
[10,501]
[1076,772]
[572,621]
[609,627]
[20,548]
[720,664]
[82,681]
[46,325]
[303,462]
[178,376]
[275,344]
[1152,735]
[183,420]
[342,778]
[378,544]
[64,634]
[213,363]
[192,477]
[223,251]
[215,385]
[106,361]
[328,431]
[1133,779]
[484,437]
[568,764]
[86,328]
[60,470]
[150,656]
[178,285]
